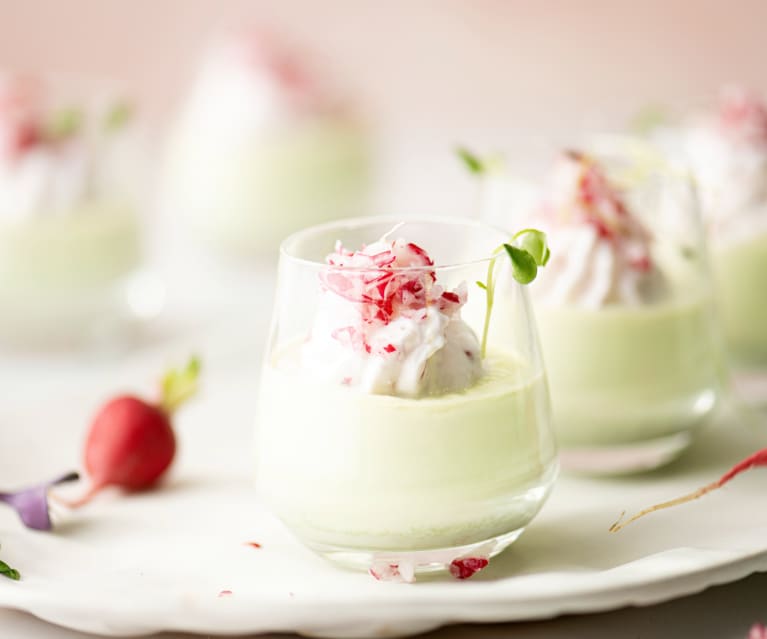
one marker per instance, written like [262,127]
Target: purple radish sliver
[32,503]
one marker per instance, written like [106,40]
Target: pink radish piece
[467,567]
[131,443]
[759,458]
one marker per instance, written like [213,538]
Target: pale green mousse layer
[622,375]
[740,270]
[60,274]
[247,198]
[353,470]
[68,253]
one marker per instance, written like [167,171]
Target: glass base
[628,458]
[401,565]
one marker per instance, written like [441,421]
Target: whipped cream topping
[600,250]
[728,153]
[48,166]
[248,82]
[385,326]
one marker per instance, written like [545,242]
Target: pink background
[429,72]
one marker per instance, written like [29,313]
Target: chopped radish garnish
[641,264]
[259,50]
[743,115]
[397,572]
[385,280]
[20,115]
[586,196]
[466,567]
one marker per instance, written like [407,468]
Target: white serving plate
[148,563]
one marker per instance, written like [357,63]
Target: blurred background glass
[71,168]
[419,78]
[430,74]
[262,145]
[625,306]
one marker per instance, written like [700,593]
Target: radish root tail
[759,458]
[78,502]
[621,524]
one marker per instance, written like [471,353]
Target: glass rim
[361,221]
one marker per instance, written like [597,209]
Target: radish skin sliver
[759,458]
[31,503]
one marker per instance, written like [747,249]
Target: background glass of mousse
[629,383]
[263,145]
[363,477]
[739,267]
[725,141]
[70,234]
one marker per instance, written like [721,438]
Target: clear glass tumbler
[722,139]
[390,431]
[625,309]
[725,143]
[70,231]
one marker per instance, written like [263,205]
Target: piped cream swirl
[386,326]
[727,151]
[600,250]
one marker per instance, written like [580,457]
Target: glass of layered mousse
[263,145]
[403,421]
[727,151]
[625,308]
[69,233]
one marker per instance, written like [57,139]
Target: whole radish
[131,443]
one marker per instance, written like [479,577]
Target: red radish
[131,442]
[759,458]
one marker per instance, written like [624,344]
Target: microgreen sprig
[480,165]
[119,114]
[530,252]
[9,572]
[649,118]
[527,250]
[64,123]
[471,161]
